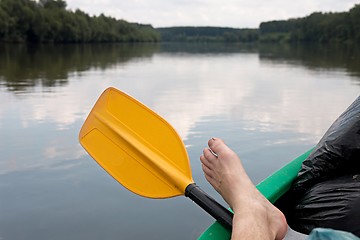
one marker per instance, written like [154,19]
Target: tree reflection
[24,66]
[316,56]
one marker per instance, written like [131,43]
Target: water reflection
[25,66]
[240,88]
[315,56]
[270,103]
[209,48]
[265,88]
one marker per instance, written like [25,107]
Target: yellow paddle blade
[136,146]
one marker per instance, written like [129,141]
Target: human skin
[254,216]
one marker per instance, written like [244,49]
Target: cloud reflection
[186,89]
[264,96]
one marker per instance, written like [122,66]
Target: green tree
[355,22]
[317,27]
[4,24]
[53,4]
[50,21]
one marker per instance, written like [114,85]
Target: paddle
[143,152]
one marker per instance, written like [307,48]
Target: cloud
[231,13]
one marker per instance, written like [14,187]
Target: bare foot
[254,216]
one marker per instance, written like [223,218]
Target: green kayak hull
[273,187]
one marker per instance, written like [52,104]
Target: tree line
[50,21]
[343,27]
[207,34]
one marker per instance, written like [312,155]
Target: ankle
[261,216]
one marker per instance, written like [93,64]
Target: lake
[270,103]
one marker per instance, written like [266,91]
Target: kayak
[273,187]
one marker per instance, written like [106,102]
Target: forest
[50,21]
[208,34]
[342,27]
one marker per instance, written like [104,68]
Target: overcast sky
[227,13]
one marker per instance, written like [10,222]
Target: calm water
[269,103]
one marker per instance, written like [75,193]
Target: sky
[220,13]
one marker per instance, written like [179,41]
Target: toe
[212,141]
[207,171]
[209,155]
[217,145]
[204,161]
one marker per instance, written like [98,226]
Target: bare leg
[254,216]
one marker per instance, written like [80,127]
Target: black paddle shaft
[210,205]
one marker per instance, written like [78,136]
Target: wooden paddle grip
[210,205]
